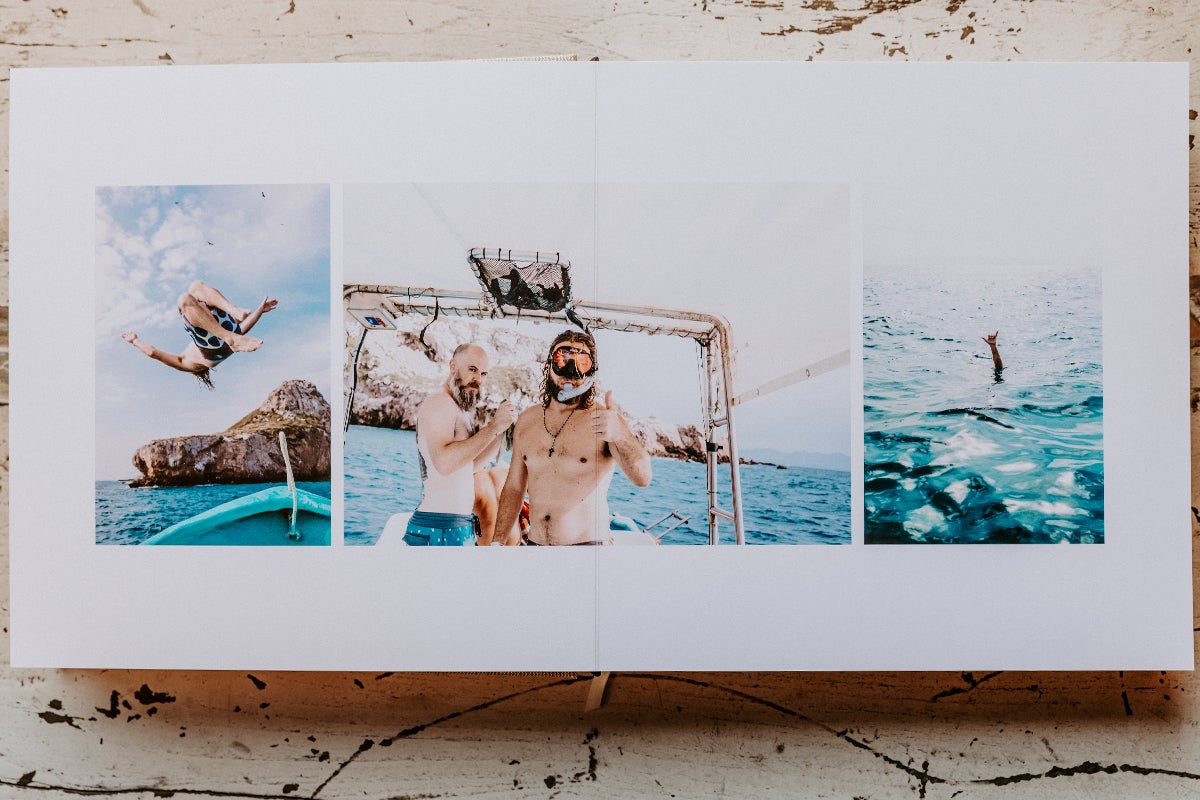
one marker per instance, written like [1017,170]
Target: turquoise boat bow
[261,518]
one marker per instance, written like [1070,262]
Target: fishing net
[523,281]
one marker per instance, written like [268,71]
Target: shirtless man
[218,329]
[565,451]
[451,453]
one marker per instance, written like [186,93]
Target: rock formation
[248,451]
[397,370]
[663,439]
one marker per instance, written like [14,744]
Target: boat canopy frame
[375,307]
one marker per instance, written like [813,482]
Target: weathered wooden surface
[67,733]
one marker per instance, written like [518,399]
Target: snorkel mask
[577,366]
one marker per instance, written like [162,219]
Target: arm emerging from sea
[997,362]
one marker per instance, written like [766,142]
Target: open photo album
[560,366]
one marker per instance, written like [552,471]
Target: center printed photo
[592,364]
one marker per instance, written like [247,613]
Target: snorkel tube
[570,390]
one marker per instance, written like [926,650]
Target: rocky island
[248,451]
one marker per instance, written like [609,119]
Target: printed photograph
[671,368]
[982,379]
[212,365]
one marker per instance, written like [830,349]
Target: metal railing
[711,332]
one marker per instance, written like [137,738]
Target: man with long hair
[451,451]
[565,451]
[217,327]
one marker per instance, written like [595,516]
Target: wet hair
[549,389]
[205,378]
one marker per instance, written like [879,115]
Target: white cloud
[149,218]
[177,267]
[177,228]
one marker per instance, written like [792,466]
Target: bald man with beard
[451,452]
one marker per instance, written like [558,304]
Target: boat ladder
[679,520]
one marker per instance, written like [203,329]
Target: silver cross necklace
[554,436]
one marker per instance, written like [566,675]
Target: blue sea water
[780,506]
[958,452]
[130,516]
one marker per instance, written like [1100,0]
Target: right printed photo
[982,376]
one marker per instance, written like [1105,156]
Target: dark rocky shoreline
[248,451]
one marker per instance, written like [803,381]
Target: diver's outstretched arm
[177,361]
[266,305]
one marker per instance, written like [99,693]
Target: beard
[550,391]
[465,395]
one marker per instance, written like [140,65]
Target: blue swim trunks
[426,528]
[214,349]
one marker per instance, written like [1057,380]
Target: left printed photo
[211,336]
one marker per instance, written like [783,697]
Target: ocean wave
[957,452]
[971,412]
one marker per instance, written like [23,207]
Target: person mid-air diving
[218,329]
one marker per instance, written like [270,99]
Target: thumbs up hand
[607,422]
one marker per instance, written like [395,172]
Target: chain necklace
[554,436]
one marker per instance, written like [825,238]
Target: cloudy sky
[248,242]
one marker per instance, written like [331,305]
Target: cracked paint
[113,710]
[972,684]
[146,696]
[840,21]
[917,769]
[1088,768]
[53,718]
